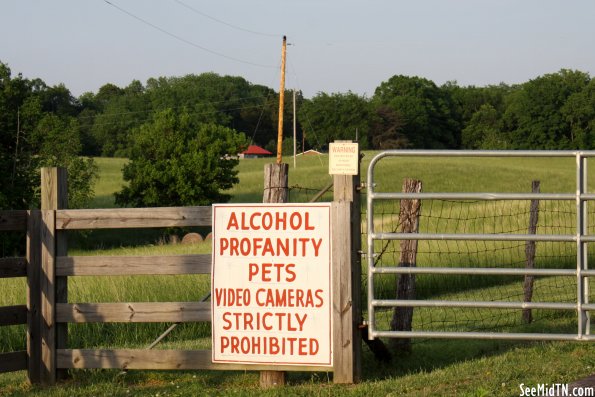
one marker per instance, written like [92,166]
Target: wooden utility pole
[294,131]
[276,191]
[281,102]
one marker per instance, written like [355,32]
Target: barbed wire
[301,194]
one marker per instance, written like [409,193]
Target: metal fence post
[581,251]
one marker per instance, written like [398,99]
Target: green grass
[439,368]
[434,367]
[110,181]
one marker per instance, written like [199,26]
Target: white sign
[343,158]
[271,284]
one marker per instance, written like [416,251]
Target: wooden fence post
[275,183]
[275,191]
[409,223]
[48,297]
[347,339]
[527,316]
[33,296]
[54,196]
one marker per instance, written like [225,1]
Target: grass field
[435,367]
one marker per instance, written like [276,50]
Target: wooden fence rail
[13,267]
[13,221]
[159,360]
[133,218]
[48,311]
[13,315]
[13,361]
[132,265]
[137,312]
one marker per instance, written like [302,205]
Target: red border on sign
[330,275]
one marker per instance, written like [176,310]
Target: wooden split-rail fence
[48,311]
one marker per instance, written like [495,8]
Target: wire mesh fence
[479,217]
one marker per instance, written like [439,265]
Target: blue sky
[336,45]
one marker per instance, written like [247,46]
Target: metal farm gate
[478,252]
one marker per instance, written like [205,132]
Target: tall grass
[13,291]
[110,181]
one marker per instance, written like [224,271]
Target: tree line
[553,111]
[158,124]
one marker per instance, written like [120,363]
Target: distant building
[310,152]
[253,152]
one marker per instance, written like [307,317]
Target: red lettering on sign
[281,271]
[224,343]
[269,345]
[233,222]
[267,221]
[223,245]
[227,325]
[232,297]
[252,225]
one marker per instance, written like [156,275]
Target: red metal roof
[253,149]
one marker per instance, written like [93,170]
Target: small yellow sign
[343,158]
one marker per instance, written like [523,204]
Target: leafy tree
[207,98]
[337,116]
[123,111]
[579,113]
[387,130]
[225,100]
[36,130]
[465,101]
[57,144]
[89,144]
[425,109]
[533,118]
[483,130]
[16,174]
[58,100]
[176,161]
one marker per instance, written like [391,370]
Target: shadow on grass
[90,240]
[428,355]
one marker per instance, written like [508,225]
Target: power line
[197,113]
[177,107]
[272,92]
[223,22]
[305,113]
[185,40]
[259,118]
